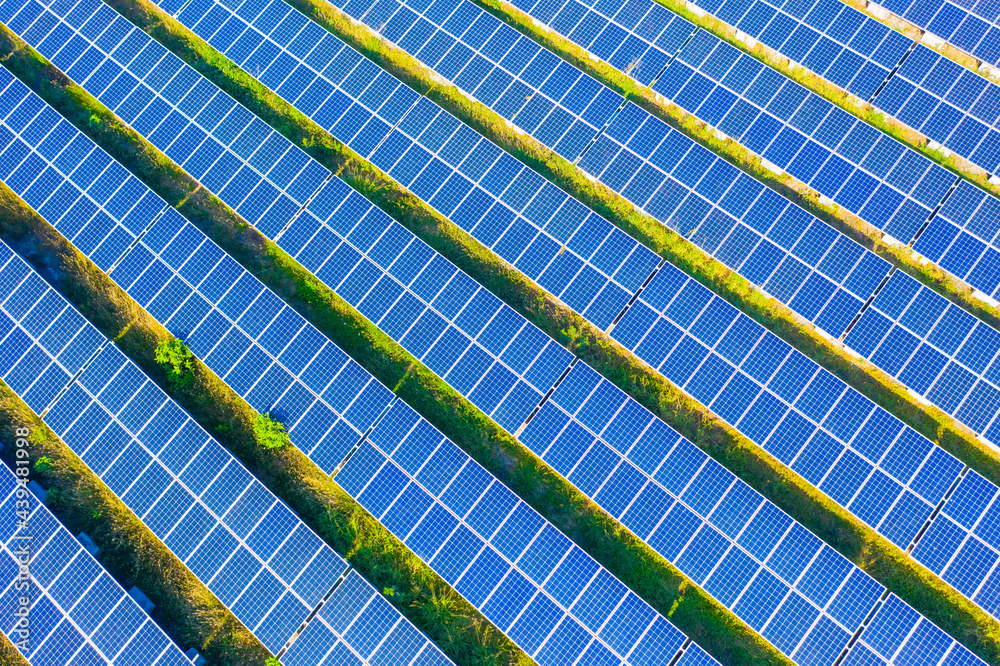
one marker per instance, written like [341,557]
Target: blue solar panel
[357,626]
[898,635]
[527,578]
[935,347]
[247,547]
[232,316]
[257,172]
[664,489]
[78,613]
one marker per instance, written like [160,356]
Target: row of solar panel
[78,613]
[970,26]
[251,167]
[246,546]
[416,276]
[360,105]
[952,105]
[358,295]
[662,151]
[716,529]
[189,259]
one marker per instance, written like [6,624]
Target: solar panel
[897,635]
[251,167]
[526,577]
[476,381]
[950,104]
[266,351]
[357,626]
[971,27]
[248,548]
[78,613]
[935,347]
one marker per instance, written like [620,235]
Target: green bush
[43,464]
[178,361]
[270,434]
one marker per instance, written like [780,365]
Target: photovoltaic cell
[247,547]
[79,613]
[526,577]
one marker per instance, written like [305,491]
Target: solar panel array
[970,26]
[78,613]
[914,510]
[673,164]
[868,173]
[248,548]
[356,626]
[531,581]
[234,154]
[829,37]
[746,552]
[411,322]
[218,312]
[940,350]
[572,252]
[551,99]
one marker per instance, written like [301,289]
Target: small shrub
[272,661]
[178,360]
[43,464]
[270,434]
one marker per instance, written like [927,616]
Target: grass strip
[298,482]
[871,381]
[931,596]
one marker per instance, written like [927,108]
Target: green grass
[317,499]
[832,523]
